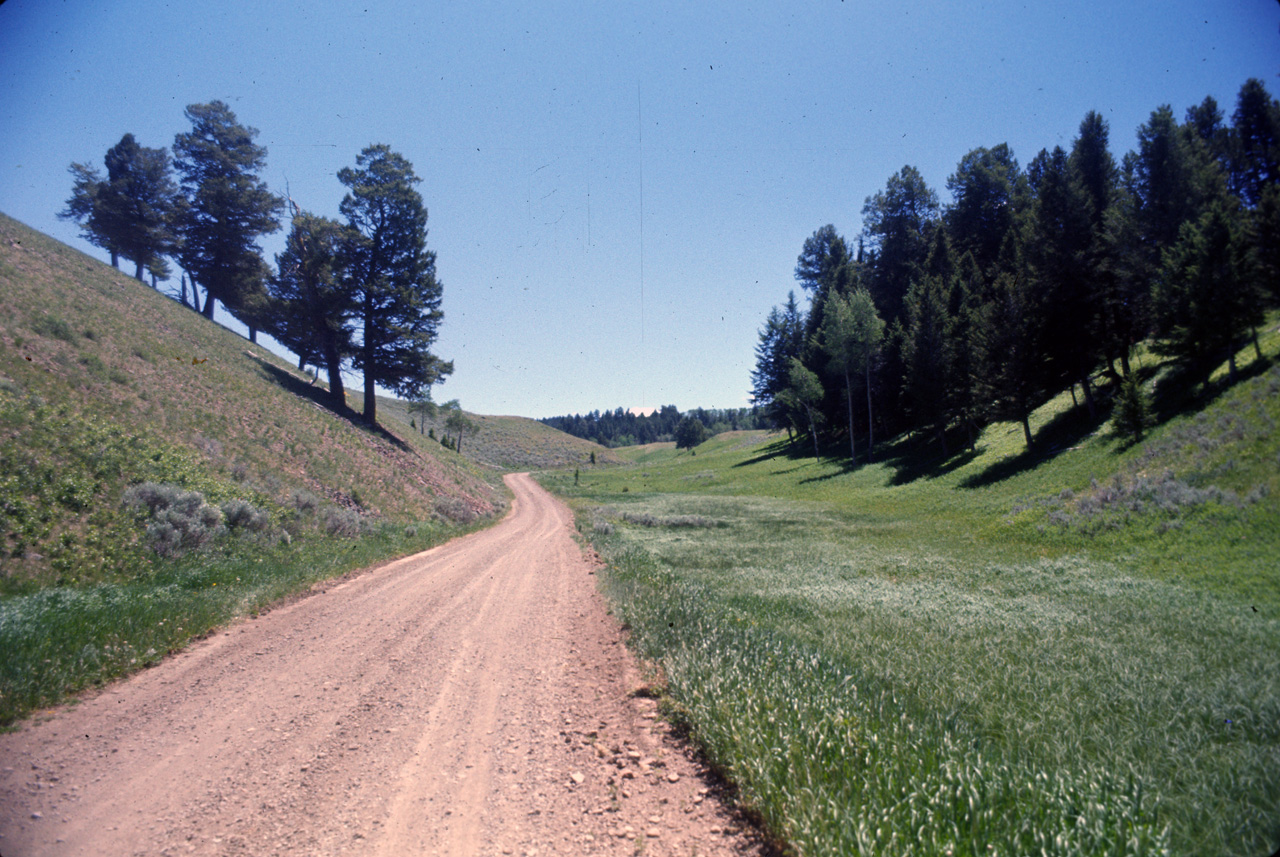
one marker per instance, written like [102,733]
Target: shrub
[1133,414]
[340,522]
[453,509]
[238,514]
[181,521]
[305,502]
[47,325]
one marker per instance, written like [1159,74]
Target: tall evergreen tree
[1057,244]
[965,313]
[391,277]
[1170,181]
[1266,233]
[1012,376]
[227,207]
[1204,122]
[781,338]
[1255,131]
[824,253]
[988,193]
[896,225]
[823,267]
[927,357]
[132,212]
[84,209]
[1094,170]
[143,200]
[310,309]
[1207,297]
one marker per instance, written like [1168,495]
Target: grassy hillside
[1070,651]
[248,481]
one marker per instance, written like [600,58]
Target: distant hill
[104,381]
[508,443]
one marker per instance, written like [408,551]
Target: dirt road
[473,699]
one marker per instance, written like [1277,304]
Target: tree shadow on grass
[1182,390]
[1061,434]
[927,462]
[319,396]
[780,448]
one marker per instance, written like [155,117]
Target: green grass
[59,640]
[993,652]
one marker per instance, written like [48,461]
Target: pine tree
[1057,245]
[227,206]
[83,208]
[1208,297]
[310,310]
[132,212]
[1255,133]
[781,339]
[928,358]
[896,226]
[143,201]
[391,277]
[1012,377]
[988,192]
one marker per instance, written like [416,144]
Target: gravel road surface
[472,699]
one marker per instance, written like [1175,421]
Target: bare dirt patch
[473,699]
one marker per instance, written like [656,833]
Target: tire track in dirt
[473,699]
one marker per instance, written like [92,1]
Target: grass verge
[937,664]
[63,639]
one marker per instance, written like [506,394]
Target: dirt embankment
[473,699]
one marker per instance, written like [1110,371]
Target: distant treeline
[623,428]
[943,317]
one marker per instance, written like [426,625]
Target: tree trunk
[207,312]
[1124,362]
[1026,428]
[333,365]
[871,427]
[1088,397]
[137,273]
[848,392]
[184,291]
[115,260]
[813,431]
[370,396]
[1257,349]
[253,334]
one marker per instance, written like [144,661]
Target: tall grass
[933,665]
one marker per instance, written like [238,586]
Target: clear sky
[617,190]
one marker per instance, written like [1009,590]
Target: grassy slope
[105,383]
[90,341]
[977,651]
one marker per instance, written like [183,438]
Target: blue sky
[617,191]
